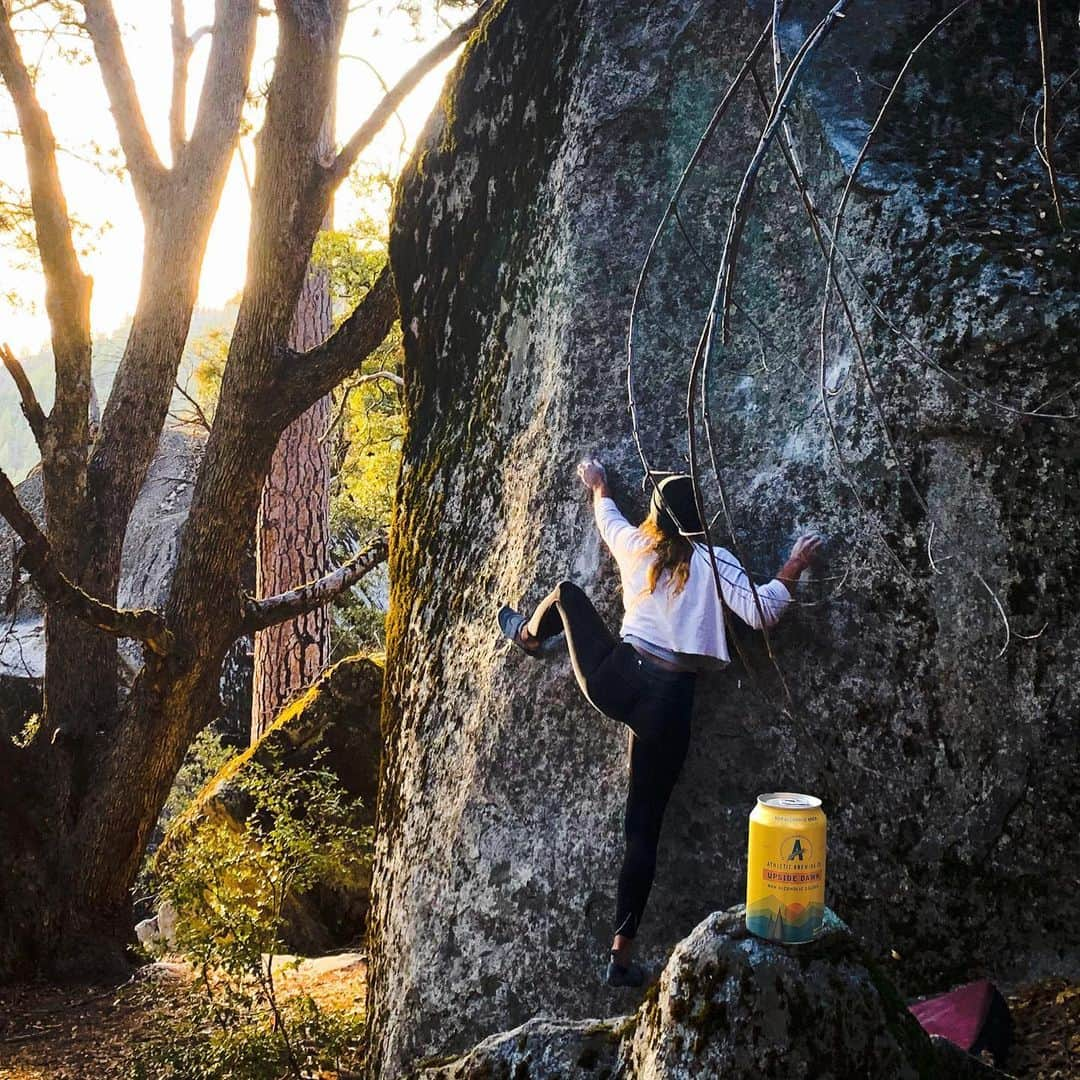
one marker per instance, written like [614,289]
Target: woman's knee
[567,588]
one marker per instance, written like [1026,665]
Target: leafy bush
[211,1042]
[229,885]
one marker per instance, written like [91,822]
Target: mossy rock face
[949,774]
[338,715]
[730,1004]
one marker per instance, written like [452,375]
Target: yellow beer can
[785,873]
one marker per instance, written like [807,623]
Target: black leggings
[654,702]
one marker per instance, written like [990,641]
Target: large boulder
[338,718]
[729,1005]
[948,772]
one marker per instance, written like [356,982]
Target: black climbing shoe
[511,622]
[630,975]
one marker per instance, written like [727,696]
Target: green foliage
[205,758]
[229,886]
[26,736]
[372,430]
[359,627]
[209,1042]
[209,354]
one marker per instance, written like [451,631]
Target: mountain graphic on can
[785,871]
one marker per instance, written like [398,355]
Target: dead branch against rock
[720,307]
[829,278]
[790,154]
[717,117]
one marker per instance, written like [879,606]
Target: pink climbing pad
[975,1017]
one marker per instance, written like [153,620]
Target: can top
[789,800]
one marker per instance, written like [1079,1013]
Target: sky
[72,93]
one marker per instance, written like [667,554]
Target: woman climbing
[673,627]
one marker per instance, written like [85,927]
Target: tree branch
[408,82]
[142,160]
[67,289]
[260,614]
[182,47]
[228,68]
[307,377]
[35,415]
[142,625]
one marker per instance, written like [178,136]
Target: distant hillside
[18,454]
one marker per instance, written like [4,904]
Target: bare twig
[790,153]
[408,82]
[1046,150]
[720,308]
[830,266]
[719,113]
[385,89]
[371,376]
[200,416]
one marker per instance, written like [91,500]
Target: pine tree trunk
[293,534]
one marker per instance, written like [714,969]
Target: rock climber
[673,628]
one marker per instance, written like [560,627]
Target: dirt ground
[86,1032]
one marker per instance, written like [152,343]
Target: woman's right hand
[591,473]
[806,551]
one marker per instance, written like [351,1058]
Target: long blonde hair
[670,553]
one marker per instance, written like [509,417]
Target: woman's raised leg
[567,609]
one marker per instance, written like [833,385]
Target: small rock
[147,931]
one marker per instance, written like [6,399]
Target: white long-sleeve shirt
[691,624]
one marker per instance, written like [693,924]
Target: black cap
[679,516]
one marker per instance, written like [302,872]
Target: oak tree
[79,800]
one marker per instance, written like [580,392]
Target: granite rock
[948,768]
[729,1005]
